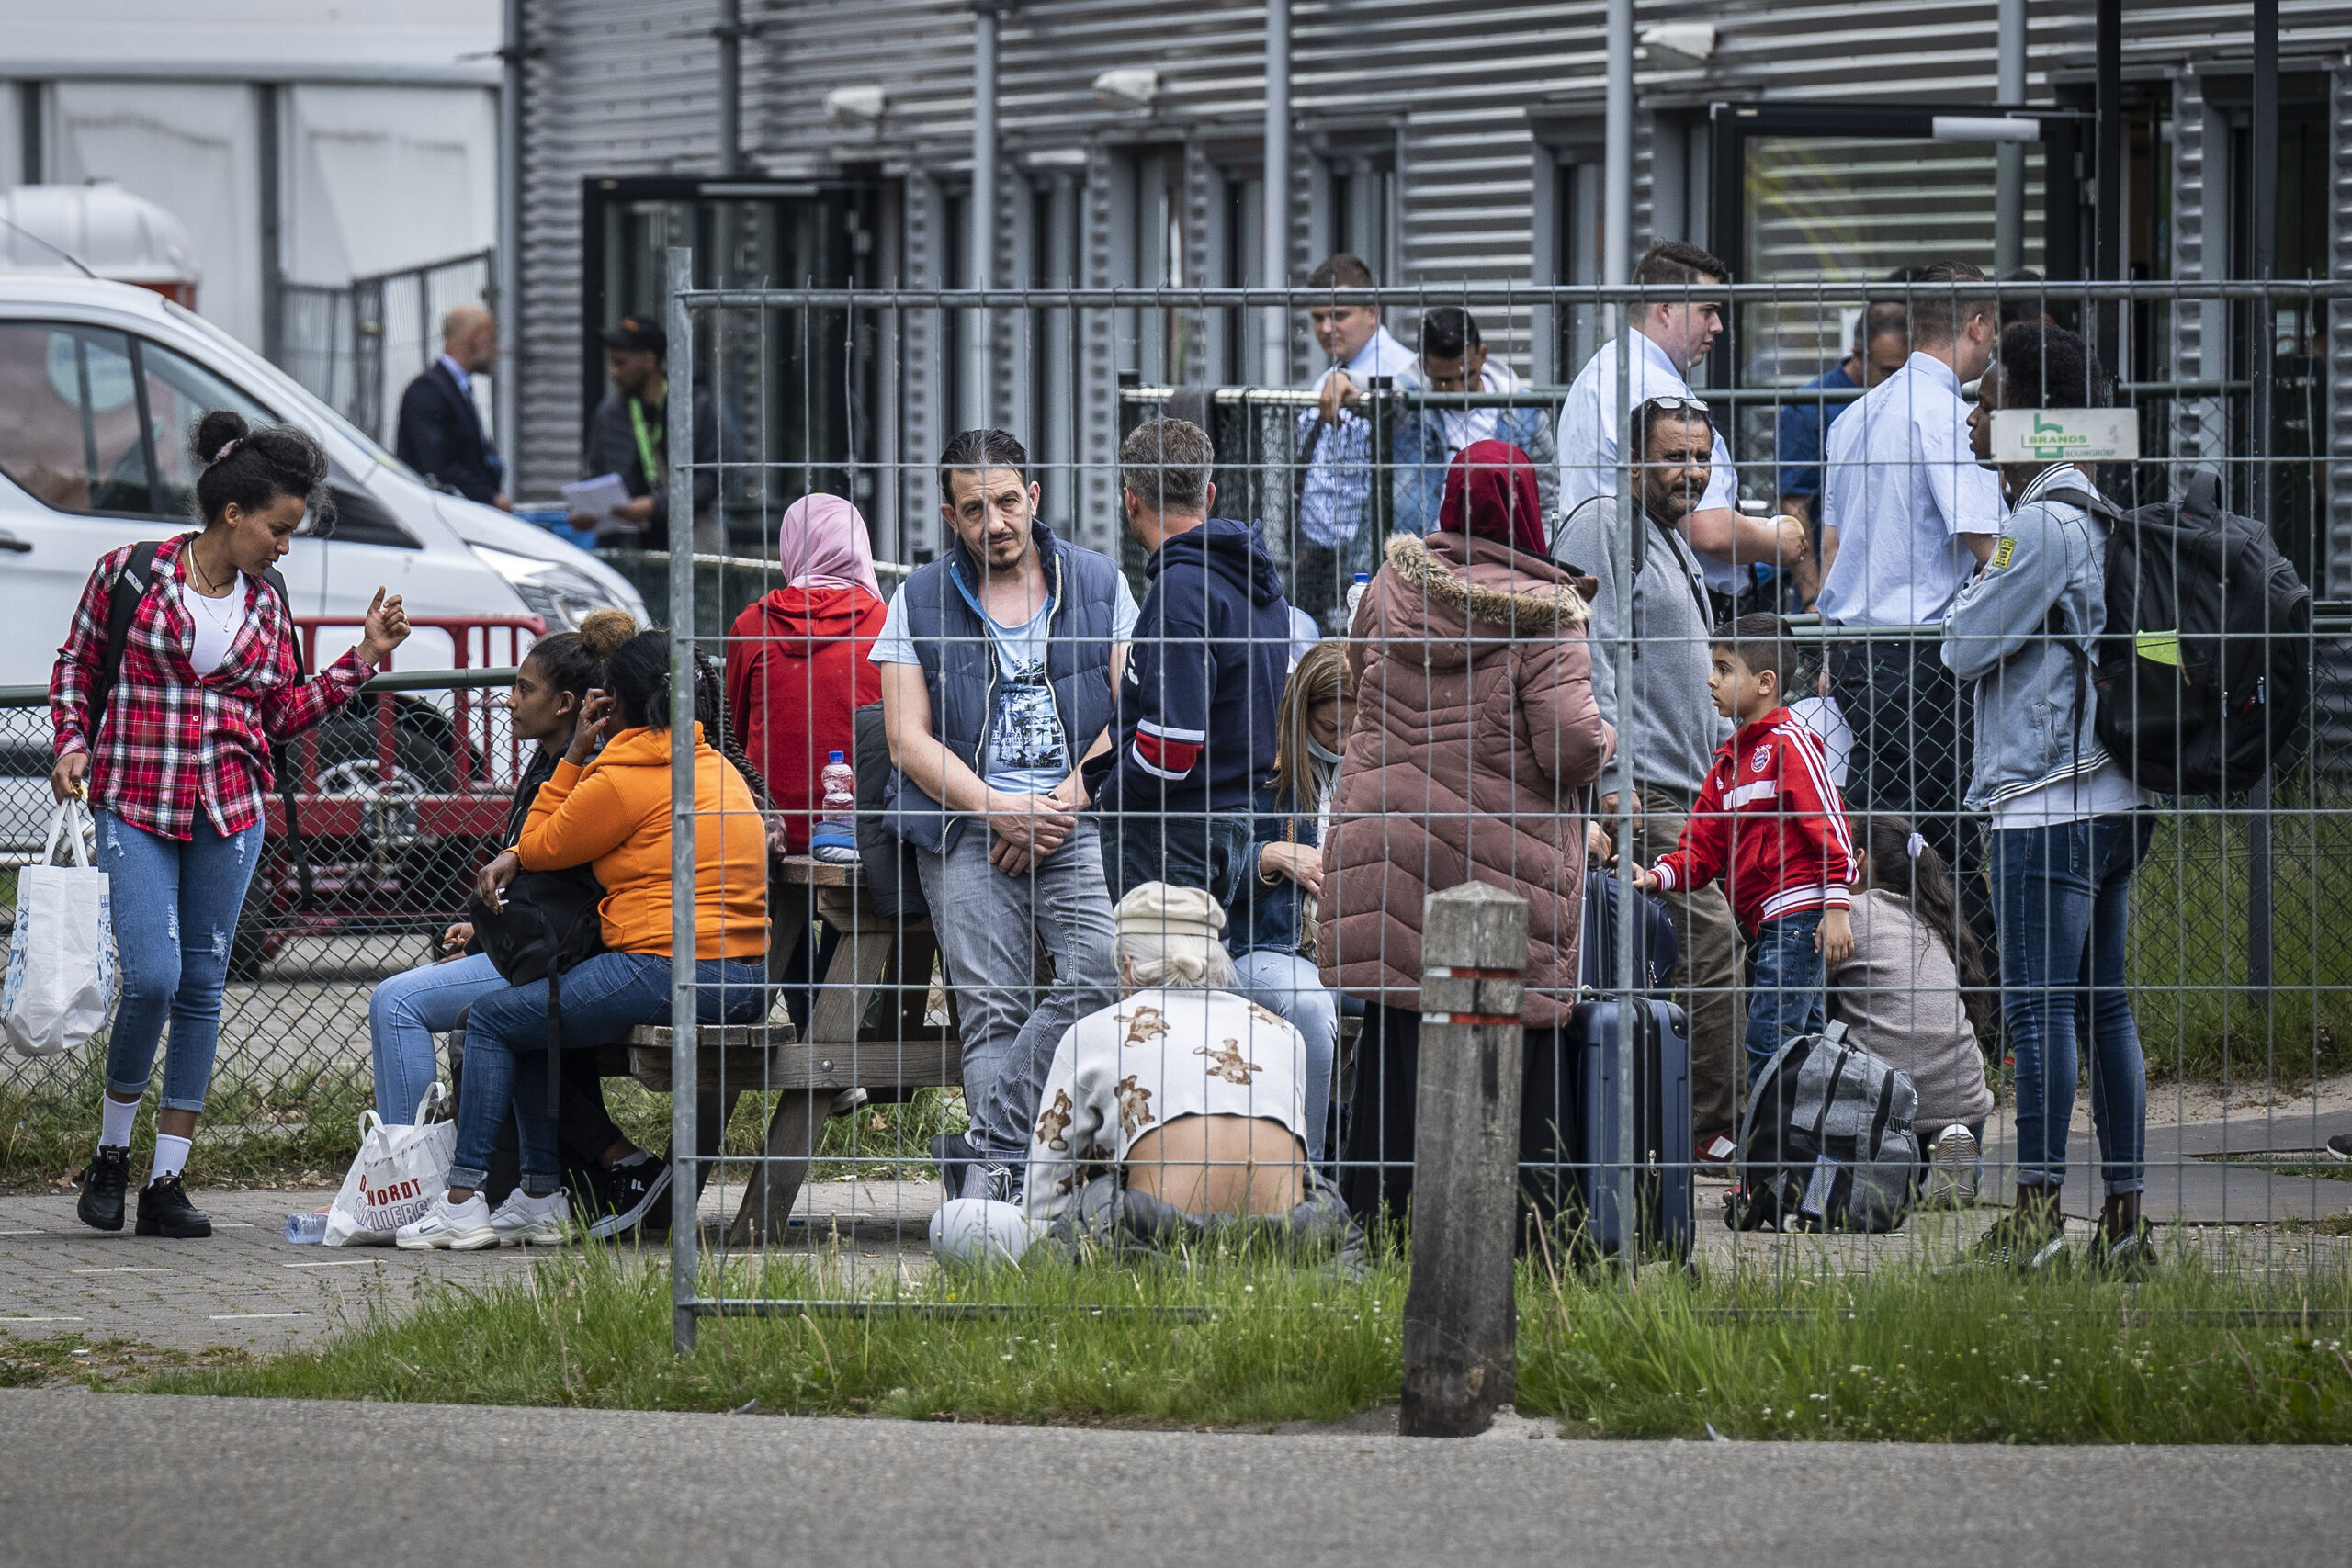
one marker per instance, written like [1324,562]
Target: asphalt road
[124,1479]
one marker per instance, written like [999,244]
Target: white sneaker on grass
[525,1221]
[460,1227]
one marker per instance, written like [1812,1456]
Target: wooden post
[1461,1321]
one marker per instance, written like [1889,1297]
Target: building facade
[1445,144]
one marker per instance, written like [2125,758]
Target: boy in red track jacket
[1770,819]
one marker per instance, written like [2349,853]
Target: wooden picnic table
[899,1052]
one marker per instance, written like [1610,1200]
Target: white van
[99,385]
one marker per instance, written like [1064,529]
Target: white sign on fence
[2065,436]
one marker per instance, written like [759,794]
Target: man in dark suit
[440,432]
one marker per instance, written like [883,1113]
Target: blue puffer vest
[959,666]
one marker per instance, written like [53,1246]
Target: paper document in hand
[598,498]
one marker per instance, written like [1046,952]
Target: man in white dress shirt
[1669,338]
[1906,517]
[1334,471]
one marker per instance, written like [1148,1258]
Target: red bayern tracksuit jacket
[1768,817]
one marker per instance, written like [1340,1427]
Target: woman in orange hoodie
[612,814]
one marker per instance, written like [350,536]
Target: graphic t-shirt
[1025,751]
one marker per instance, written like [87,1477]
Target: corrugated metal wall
[1469,104]
[611,87]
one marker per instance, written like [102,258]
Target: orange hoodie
[614,814]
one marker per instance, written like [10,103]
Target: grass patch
[253,1133]
[1895,1354]
[2198,1017]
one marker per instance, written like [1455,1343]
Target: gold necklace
[206,584]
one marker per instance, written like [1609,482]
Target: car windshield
[292,390]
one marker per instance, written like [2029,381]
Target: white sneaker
[524,1221]
[1951,1170]
[460,1227]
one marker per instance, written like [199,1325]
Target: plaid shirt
[163,715]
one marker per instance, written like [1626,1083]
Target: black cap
[635,333]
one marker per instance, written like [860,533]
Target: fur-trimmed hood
[1483,580]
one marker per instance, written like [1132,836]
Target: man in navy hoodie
[1195,732]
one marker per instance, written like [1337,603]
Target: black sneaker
[991,1179]
[104,1181]
[2340,1146]
[2131,1257]
[164,1209]
[2025,1242]
[628,1191]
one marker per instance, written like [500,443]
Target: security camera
[1127,88]
[1681,43]
[858,106]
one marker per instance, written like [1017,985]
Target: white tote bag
[398,1172]
[61,975]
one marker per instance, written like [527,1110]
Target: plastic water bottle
[835,839]
[1355,594]
[306,1230]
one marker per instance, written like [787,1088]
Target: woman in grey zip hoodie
[2068,829]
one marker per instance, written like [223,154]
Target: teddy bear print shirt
[1154,1056]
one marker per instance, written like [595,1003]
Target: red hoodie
[795,671]
[1768,813]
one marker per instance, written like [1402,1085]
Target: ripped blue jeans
[174,915]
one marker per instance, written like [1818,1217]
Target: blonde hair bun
[600,631]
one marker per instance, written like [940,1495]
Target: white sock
[543,1202]
[115,1121]
[170,1158]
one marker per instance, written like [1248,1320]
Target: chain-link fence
[1065,700]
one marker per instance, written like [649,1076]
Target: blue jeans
[989,925]
[1286,983]
[404,1015]
[1785,996]
[175,916]
[2063,898]
[506,1039]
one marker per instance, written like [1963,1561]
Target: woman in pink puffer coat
[1476,733]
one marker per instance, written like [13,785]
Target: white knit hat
[1158,910]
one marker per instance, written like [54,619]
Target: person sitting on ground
[797,672]
[1179,1105]
[1914,993]
[1273,922]
[612,814]
[1769,823]
[1454,359]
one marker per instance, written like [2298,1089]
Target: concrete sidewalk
[227,1483]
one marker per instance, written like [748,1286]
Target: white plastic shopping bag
[61,976]
[398,1172]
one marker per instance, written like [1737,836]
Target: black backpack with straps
[2203,669]
[130,590]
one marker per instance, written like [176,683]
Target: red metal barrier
[393,829]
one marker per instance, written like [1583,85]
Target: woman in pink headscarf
[795,671]
[796,657]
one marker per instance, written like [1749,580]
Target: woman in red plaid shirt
[175,760]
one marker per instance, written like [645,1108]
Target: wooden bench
[898,1053]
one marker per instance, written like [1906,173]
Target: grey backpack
[1828,1145]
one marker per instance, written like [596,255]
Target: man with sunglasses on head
[1671,336]
[1669,721]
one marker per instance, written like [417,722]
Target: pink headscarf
[823,543]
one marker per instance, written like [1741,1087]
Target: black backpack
[549,923]
[131,585]
[2203,672]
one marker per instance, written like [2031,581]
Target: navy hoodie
[1195,723]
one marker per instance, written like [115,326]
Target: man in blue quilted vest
[999,662]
